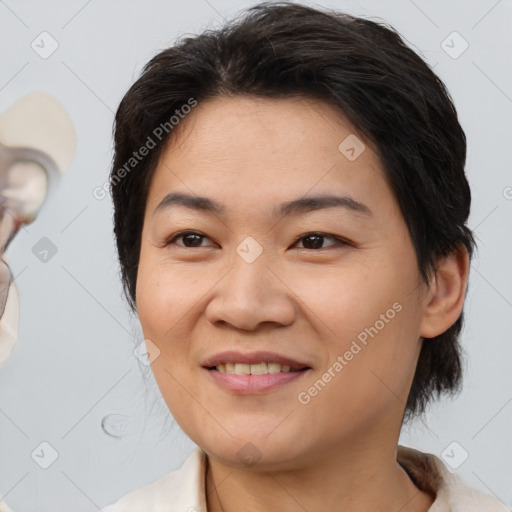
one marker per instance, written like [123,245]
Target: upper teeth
[253,369]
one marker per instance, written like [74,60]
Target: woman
[290,216]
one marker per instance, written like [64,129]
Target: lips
[262,368]
[253,373]
[254,358]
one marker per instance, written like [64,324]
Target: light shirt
[183,490]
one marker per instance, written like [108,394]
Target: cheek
[346,299]
[169,309]
[368,316]
[165,301]
[165,295]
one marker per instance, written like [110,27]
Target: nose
[252,294]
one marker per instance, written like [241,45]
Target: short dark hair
[363,70]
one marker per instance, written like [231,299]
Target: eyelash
[339,240]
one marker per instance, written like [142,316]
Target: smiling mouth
[262,368]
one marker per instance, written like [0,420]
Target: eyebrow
[293,207]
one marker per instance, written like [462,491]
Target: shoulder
[430,474]
[182,489]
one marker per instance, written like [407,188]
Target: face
[260,272]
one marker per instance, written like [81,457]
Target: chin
[257,451]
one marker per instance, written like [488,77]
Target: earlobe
[445,300]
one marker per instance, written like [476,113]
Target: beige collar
[183,490]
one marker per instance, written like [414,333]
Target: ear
[445,300]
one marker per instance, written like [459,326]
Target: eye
[315,240]
[191,239]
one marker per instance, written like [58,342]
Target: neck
[354,479]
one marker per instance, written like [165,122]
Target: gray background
[74,365]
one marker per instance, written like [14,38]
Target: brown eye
[190,239]
[311,241]
[316,240]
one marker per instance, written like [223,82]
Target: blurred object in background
[37,144]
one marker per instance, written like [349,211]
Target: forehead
[249,127]
[241,149]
